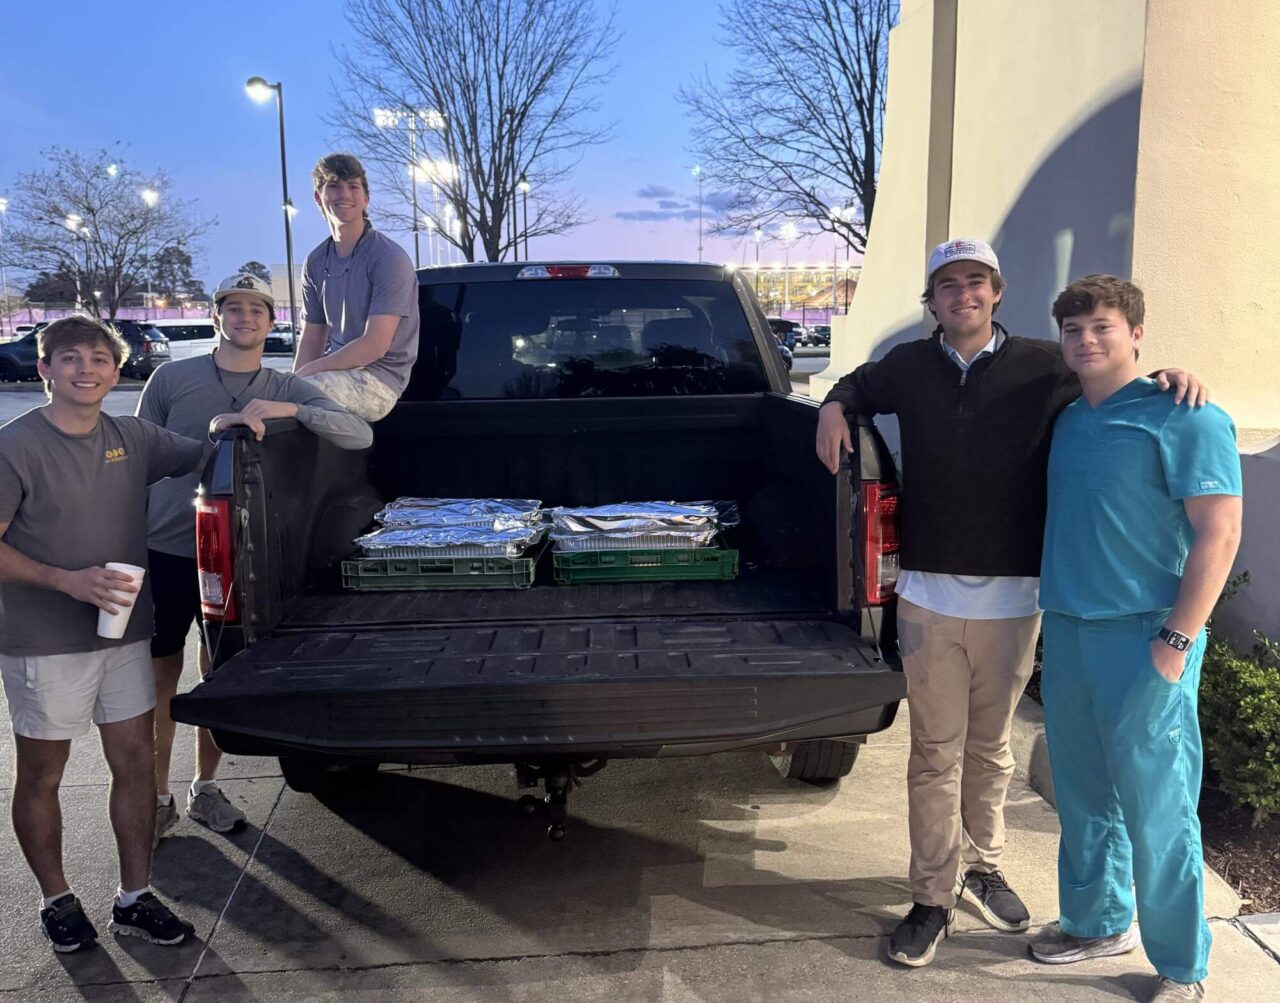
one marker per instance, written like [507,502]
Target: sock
[164,799]
[49,900]
[125,899]
[199,786]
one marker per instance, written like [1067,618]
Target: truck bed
[759,592]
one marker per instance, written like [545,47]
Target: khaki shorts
[357,390]
[54,697]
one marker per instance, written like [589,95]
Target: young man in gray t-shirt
[359,299]
[193,397]
[73,485]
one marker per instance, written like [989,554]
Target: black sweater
[975,449]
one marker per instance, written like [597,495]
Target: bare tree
[99,221]
[795,130]
[482,94]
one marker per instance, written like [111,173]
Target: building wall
[1208,183]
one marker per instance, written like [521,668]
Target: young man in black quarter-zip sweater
[975,407]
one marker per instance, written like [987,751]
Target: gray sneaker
[1167,991]
[1053,947]
[212,809]
[166,819]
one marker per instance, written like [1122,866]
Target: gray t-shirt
[377,278]
[79,501]
[184,396]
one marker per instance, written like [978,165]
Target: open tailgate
[610,688]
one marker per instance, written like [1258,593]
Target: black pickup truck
[574,384]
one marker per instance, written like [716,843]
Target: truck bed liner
[759,592]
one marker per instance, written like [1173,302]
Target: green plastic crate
[379,574]
[657,565]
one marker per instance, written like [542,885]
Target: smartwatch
[1175,639]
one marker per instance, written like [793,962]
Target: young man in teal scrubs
[1142,528]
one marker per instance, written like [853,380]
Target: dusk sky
[167,81]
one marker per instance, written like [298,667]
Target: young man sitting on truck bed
[975,406]
[228,387]
[73,488]
[359,300]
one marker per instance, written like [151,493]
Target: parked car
[577,385]
[786,330]
[22,330]
[788,357]
[819,334]
[18,359]
[280,340]
[148,349]
[194,336]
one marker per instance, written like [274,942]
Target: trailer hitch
[558,777]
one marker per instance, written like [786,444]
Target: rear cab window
[571,338]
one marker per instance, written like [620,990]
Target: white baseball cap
[244,283]
[962,249]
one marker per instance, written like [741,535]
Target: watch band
[1175,639]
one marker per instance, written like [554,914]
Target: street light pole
[759,237]
[413,186]
[150,197]
[4,276]
[261,91]
[697,173]
[524,186]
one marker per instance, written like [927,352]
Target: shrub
[1240,721]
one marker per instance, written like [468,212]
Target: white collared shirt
[971,597]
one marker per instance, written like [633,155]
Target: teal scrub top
[1117,536]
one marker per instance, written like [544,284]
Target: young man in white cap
[975,406]
[359,299]
[196,396]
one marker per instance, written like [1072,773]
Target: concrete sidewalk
[680,880]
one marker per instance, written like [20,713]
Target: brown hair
[71,332]
[997,286]
[1085,295]
[338,167]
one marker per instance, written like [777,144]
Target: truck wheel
[822,761]
[304,775]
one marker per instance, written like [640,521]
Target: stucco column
[1207,212]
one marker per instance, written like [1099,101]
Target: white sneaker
[212,809]
[1053,947]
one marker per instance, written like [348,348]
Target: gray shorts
[357,390]
[55,697]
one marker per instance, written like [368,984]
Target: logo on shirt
[115,455]
[1209,485]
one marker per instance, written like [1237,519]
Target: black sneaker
[995,901]
[66,925]
[150,919]
[916,938]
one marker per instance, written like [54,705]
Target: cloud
[671,204]
[656,215]
[718,201]
[654,192]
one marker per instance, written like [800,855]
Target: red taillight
[214,559]
[880,503]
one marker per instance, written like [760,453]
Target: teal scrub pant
[1124,748]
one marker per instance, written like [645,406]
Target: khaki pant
[357,390]
[964,678]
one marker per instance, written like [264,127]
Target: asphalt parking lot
[680,880]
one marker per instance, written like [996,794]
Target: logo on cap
[246,282]
[959,247]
